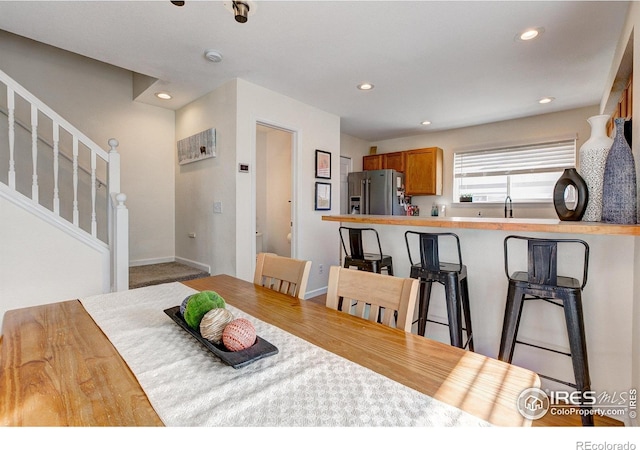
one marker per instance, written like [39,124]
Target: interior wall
[509,132]
[202,183]
[97,99]
[314,129]
[630,34]
[354,148]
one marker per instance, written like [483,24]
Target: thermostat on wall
[243,167]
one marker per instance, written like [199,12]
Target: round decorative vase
[570,177]
[619,191]
[592,158]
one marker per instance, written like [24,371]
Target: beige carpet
[140,276]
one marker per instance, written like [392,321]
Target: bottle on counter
[434,210]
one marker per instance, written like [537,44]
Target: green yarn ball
[199,304]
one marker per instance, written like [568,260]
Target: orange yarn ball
[238,335]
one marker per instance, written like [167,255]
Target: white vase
[592,159]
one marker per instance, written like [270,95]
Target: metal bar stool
[453,276]
[356,256]
[541,282]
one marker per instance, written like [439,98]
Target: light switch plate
[217,207]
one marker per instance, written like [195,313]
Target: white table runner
[302,385]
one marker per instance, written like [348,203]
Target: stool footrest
[543,348]
[566,383]
[469,336]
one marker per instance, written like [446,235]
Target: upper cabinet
[423,171]
[422,168]
[372,162]
[394,161]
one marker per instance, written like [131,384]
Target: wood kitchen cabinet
[394,161]
[423,171]
[422,168]
[372,162]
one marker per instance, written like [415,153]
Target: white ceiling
[454,63]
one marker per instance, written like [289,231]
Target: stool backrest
[356,247]
[542,259]
[429,249]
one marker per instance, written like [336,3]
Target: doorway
[274,192]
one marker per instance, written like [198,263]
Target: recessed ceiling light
[530,34]
[425,122]
[163,95]
[365,86]
[545,100]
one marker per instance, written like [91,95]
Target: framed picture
[323,196]
[197,147]
[323,164]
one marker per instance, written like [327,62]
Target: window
[525,173]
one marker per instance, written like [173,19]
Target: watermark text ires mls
[535,403]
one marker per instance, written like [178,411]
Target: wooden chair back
[373,296]
[286,275]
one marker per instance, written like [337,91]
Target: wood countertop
[491,223]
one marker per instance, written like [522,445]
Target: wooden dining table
[57,368]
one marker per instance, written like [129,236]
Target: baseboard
[146,262]
[315,293]
[194,264]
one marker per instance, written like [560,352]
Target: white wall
[200,184]
[509,132]
[610,97]
[97,99]
[354,148]
[35,259]
[226,241]
[313,129]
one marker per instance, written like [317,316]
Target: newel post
[120,247]
[118,223]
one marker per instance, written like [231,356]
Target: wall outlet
[217,207]
[321,268]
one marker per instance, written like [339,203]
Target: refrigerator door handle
[367,201]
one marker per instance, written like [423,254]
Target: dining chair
[373,296]
[282,274]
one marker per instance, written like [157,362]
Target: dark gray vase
[619,190]
[570,177]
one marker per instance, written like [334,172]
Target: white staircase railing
[94,158]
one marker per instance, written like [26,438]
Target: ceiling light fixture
[365,86]
[213,55]
[163,95]
[241,11]
[425,122]
[530,34]
[545,100]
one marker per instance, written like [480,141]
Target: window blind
[538,158]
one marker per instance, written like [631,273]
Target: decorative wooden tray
[261,348]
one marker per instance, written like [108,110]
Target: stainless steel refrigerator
[378,192]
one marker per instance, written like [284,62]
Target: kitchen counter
[611,298]
[490,223]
